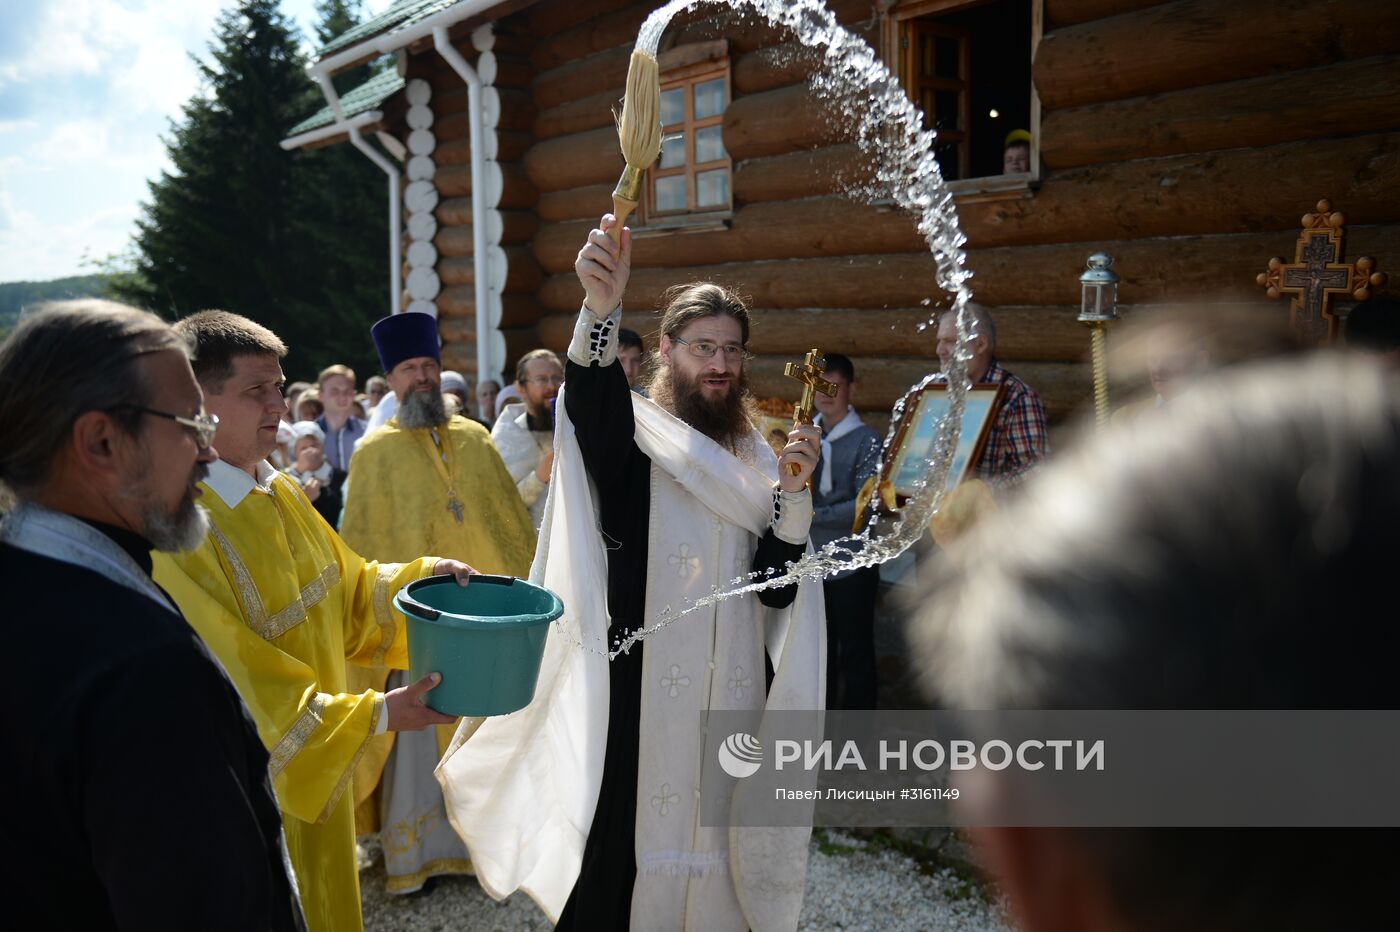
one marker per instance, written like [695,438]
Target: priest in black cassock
[588,800]
[137,786]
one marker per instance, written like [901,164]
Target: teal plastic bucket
[485,638]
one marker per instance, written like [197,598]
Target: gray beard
[421,409]
[177,533]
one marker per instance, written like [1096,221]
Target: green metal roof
[402,13]
[366,97]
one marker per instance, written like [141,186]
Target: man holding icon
[283,603]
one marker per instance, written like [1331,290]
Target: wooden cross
[810,375]
[1318,273]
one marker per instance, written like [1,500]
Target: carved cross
[1317,274]
[810,375]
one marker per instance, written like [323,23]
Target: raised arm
[596,395]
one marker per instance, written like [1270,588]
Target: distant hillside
[16,296]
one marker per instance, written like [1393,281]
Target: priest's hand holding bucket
[604,266]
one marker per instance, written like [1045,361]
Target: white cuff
[382,725]
[792,515]
[595,338]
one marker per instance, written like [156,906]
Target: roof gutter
[320,134]
[395,39]
[480,264]
[351,128]
[435,26]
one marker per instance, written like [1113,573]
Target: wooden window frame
[987,187]
[686,67]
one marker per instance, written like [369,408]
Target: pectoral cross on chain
[455,506]
[810,375]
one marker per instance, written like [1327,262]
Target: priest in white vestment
[588,799]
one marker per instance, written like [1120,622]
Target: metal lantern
[1100,290]
[1098,309]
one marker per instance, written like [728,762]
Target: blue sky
[87,89]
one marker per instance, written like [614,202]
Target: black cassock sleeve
[175,801]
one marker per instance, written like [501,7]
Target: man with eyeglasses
[425,482]
[524,433]
[656,503]
[284,603]
[139,791]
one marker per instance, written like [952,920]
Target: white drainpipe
[389,169]
[480,264]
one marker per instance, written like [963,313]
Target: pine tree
[241,224]
[342,216]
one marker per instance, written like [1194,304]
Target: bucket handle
[411,605]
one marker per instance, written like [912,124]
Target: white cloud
[87,88]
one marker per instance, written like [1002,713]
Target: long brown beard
[726,422]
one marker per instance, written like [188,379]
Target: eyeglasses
[545,380]
[203,425]
[706,350]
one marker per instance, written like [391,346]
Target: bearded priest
[425,482]
[588,799]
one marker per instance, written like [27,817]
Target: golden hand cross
[809,373]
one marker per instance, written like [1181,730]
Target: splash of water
[888,129]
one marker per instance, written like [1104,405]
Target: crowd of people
[216,554]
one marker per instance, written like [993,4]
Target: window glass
[712,188]
[670,193]
[709,144]
[709,98]
[672,106]
[673,150]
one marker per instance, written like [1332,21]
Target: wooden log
[1063,387]
[558,15]
[1191,43]
[518,226]
[574,161]
[818,226]
[776,66]
[811,172]
[610,30]
[778,122]
[517,191]
[586,203]
[1231,191]
[1072,12]
[1315,103]
[511,146]
[1037,333]
[1156,270]
[1246,189]
[512,71]
[517,310]
[582,77]
[577,116]
[517,113]
[460,357]
[523,274]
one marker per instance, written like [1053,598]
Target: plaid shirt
[1018,440]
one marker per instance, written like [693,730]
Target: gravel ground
[858,886]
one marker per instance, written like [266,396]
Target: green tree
[342,217]
[241,224]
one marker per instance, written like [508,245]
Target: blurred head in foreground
[1235,553]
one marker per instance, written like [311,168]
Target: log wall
[1185,138]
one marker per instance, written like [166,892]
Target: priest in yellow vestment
[423,483]
[284,603]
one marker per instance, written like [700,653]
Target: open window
[690,186]
[967,65]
